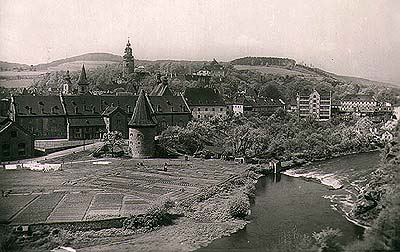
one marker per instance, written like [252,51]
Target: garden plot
[39,209]
[105,205]
[72,207]
[133,205]
[11,204]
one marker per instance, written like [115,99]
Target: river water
[305,199]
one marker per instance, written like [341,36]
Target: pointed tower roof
[141,116]
[82,77]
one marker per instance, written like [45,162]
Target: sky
[350,37]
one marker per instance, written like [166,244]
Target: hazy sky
[360,38]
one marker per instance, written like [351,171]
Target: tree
[114,141]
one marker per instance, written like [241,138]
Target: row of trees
[282,136]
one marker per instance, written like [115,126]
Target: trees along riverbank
[281,136]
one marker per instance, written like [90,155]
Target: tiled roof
[166,104]
[203,96]
[142,114]
[96,104]
[38,105]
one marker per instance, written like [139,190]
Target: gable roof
[142,114]
[5,126]
[203,96]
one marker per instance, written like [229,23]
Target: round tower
[142,129]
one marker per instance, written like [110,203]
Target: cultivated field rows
[88,191]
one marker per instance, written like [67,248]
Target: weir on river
[284,203]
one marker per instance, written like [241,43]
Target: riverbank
[346,182]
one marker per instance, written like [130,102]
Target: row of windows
[206,116]
[6,149]
[212,109]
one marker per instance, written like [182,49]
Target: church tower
[83,83]
[128,61]
[66,84]
[142,129]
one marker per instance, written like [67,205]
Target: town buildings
[255,105]
[16,142]
[358,103]
[315,104]
[205,103]
[83,115]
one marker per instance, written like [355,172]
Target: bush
[156,215]
[239,205]
[326,240]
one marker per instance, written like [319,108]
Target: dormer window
[76,110]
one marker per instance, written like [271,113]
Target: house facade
[315,104]
[16,142]
[359,104]
[205,103]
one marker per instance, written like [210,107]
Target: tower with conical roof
[142,129]
[83,83]
[128,61]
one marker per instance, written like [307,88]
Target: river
[303,198]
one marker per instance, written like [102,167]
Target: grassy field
[85,189]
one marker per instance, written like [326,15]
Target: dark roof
[3,126]
[142,114]
[82,77]
[112,109]
[264,102]
[203,96]
[97,104]
[38,105]
[8,124]
[86,122]
[160,90]
[168,104]
[4,120]
[359,97]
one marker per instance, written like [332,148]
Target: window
[13,133]
[221,109]
[6,150]
[21,149]
[198,116]
[213,109]
[198,109]
[206,109]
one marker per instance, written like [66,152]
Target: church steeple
[129,61]
[83,84]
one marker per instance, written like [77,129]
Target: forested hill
[264,61]
[101,57]
[7,66]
